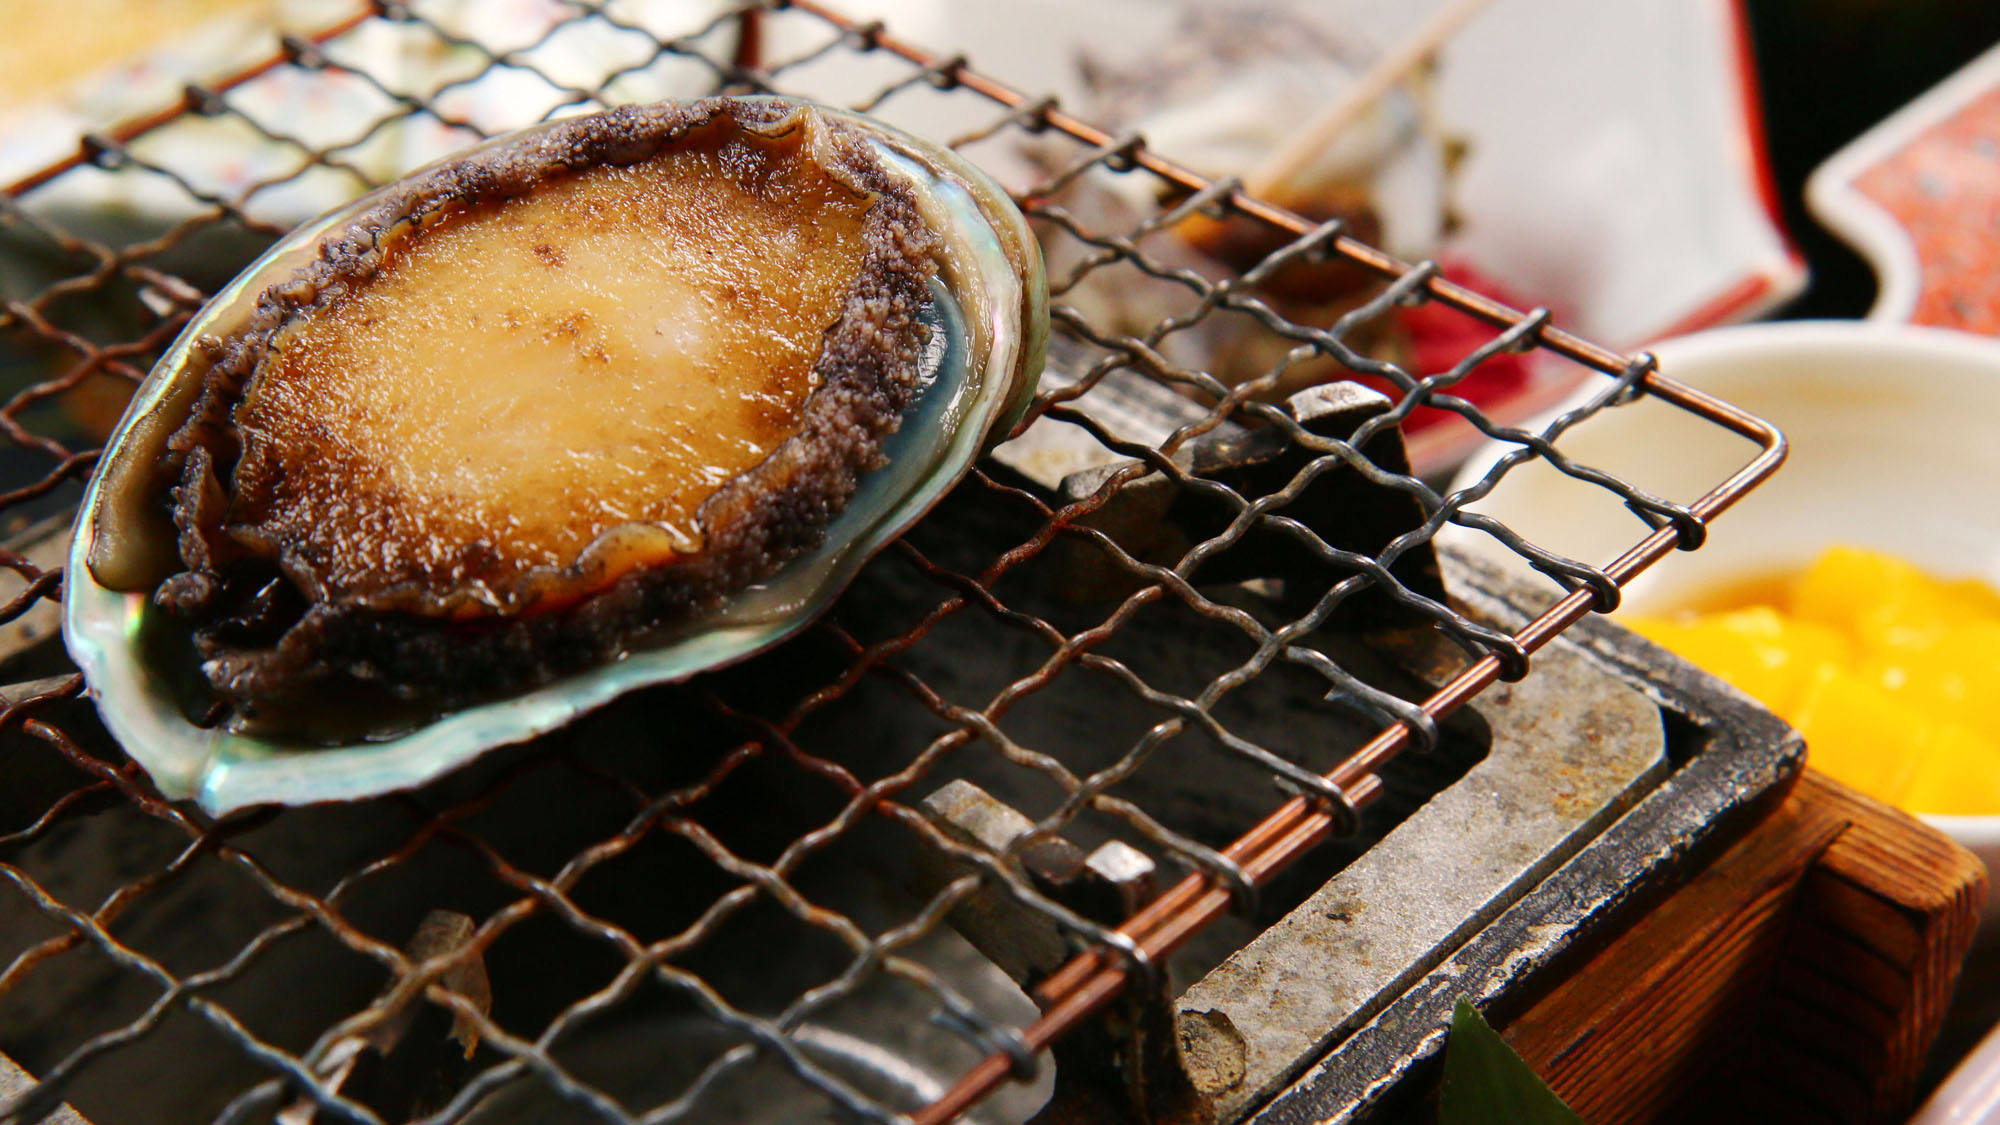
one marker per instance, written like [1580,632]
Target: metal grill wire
[69,357]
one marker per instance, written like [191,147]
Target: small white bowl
[1895,444]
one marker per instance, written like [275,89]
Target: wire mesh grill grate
[615,879]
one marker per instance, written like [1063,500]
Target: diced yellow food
[1892,675]
[1767,655]
[1973,596]
[1880,601]
[1957,773]
[1856,732]
[1845,583]
[1954,670]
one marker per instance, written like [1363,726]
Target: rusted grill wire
[87,326]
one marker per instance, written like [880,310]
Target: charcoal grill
[1108,767]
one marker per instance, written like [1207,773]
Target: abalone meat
[603,403]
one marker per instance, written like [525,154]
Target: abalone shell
[586,408]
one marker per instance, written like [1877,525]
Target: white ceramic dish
[1895,437]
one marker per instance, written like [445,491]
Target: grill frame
[1739,762]
[1222,877]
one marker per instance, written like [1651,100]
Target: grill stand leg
[1125,1065]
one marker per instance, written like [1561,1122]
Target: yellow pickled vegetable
[1960,773]
[1768,655]
[1954,671]
[1892,675]
[1856,732]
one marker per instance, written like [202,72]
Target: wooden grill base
[1801,976]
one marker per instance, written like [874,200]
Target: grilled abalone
[603,403]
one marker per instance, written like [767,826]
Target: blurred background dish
[1919,196]
[1613,162]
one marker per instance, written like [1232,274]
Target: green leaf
[1486,1083]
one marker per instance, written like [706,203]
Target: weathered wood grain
[1804,972]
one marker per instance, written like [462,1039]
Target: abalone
[607,402]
